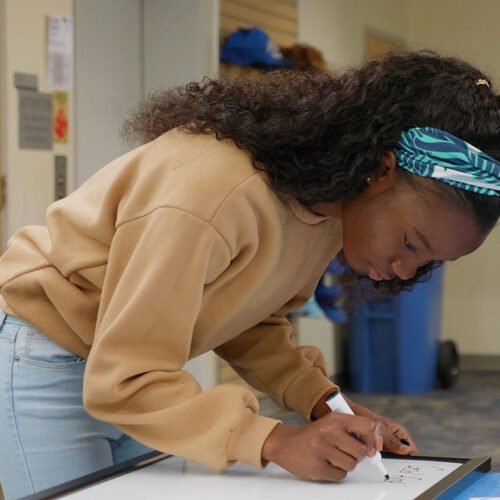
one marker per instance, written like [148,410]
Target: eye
[408,244]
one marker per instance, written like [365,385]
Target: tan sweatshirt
[174,249]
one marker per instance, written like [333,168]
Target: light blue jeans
[46,436]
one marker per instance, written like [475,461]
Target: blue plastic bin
[394,343]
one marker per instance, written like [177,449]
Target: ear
[385,177]
[388,165]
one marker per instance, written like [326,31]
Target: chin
[356,267]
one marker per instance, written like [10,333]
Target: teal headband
[431,152]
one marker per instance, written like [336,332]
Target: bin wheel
[448,368]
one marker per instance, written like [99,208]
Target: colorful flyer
[60,104]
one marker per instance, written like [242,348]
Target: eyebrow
[423,238]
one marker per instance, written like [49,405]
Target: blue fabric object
[486,486]
[329,295]
[431,152]
[253,47]
[310,309]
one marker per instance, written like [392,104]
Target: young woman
[206,237]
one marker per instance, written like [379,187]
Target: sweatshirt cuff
[245,443]
[304,392]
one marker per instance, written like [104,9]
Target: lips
[376,275]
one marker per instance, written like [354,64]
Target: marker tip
[387,477]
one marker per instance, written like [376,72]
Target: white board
[175,478]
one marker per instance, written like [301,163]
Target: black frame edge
[98,476]
[446,489]
[458,480]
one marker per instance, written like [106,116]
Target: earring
[368,180]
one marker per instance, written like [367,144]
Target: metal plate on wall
[60,176]
[27,81]
[35,120]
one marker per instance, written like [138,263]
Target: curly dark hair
[319,136]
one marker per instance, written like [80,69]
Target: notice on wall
[35,120]
[59,68]
[60,114]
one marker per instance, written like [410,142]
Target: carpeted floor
[462,422]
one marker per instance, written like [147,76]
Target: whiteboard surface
[176,478]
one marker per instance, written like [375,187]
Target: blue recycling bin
[394,343]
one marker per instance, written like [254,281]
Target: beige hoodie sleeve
[157,267]
[294,376]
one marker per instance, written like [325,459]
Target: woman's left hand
[392,432]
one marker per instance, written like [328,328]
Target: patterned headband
[431,152]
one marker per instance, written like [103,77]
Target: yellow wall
[30,172]
[468,29]
[338,27]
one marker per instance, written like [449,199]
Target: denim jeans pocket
[8,332]
[41,351]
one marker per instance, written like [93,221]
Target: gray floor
[460,422]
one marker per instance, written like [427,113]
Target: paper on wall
[59,69]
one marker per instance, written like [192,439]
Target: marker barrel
[337,403]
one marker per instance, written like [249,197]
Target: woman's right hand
[324,450]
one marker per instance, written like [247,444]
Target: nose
[404,270]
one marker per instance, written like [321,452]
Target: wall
[466,28]
[126,49]
[337,27]
[108,78]
[30,172]
[180,42]
[472,284]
